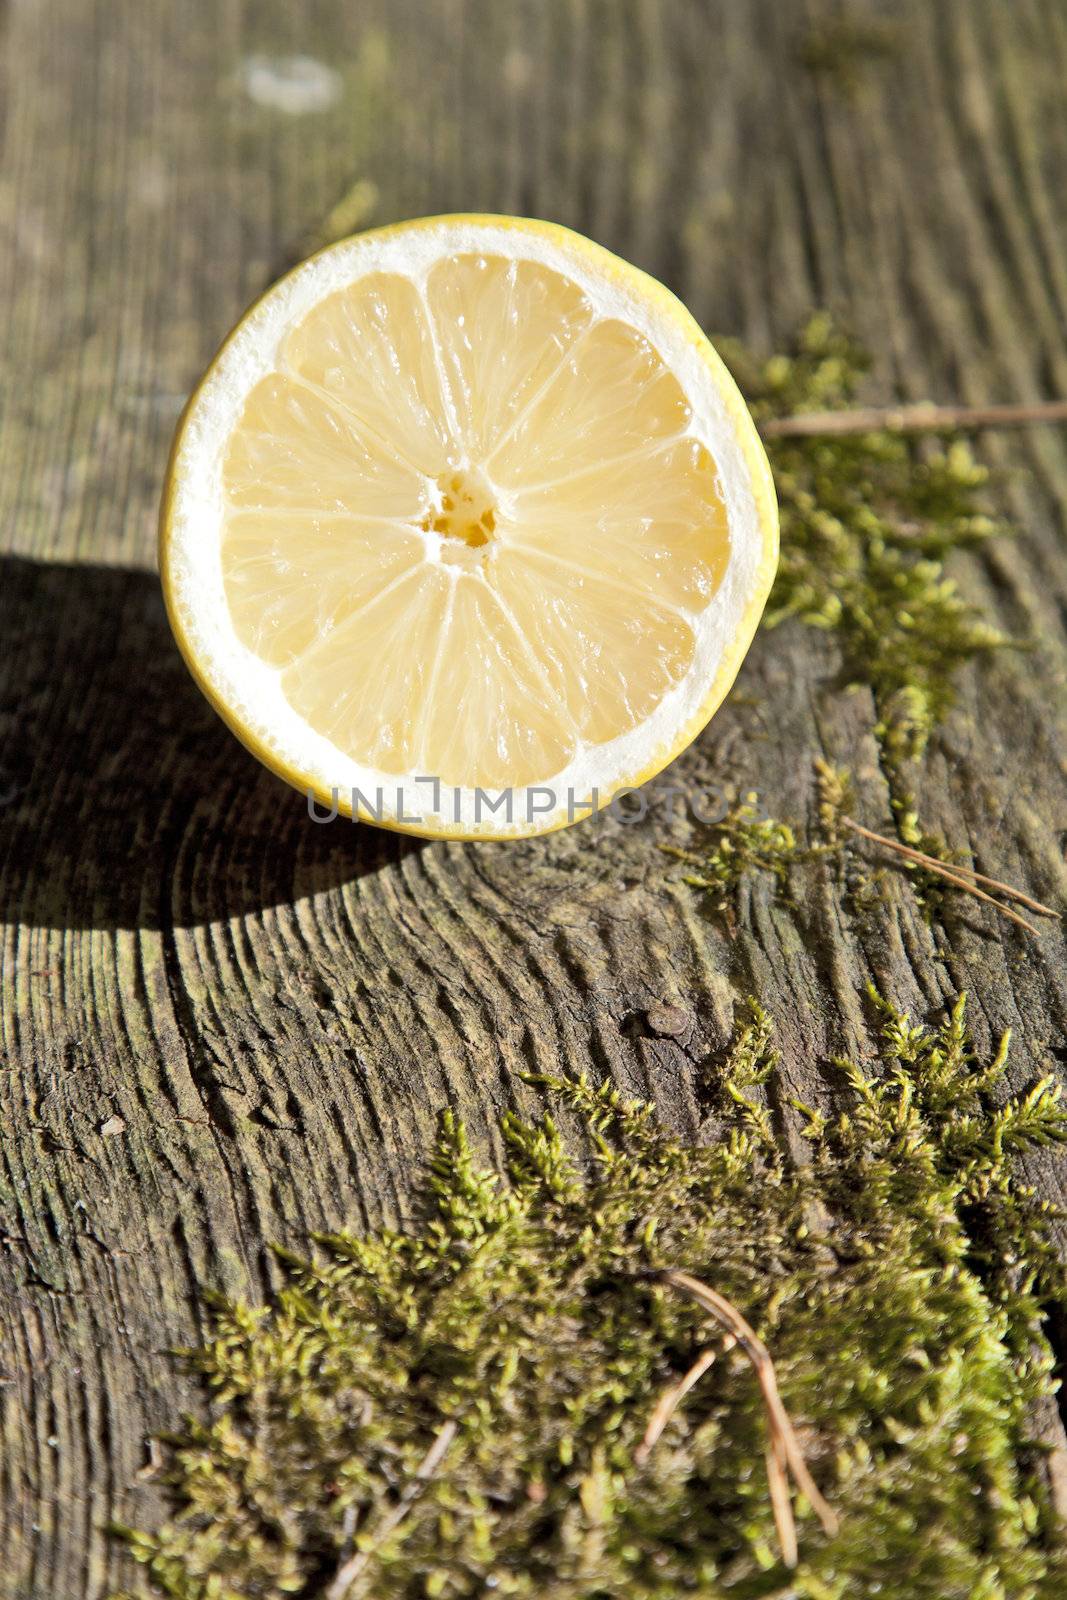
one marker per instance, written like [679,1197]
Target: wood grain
[276,1011]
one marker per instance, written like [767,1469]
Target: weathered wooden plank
[275,1011]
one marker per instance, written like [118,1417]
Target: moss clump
[736,844]
[898,1276]
[867,522]
[742,842]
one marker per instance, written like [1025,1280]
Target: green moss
[867,523]
[899,1276]
[739,843]
[726,852]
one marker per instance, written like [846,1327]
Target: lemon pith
[467,498]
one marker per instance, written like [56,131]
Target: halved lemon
[467,528]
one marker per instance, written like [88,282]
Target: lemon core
[467,510]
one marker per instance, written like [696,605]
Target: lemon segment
[467,499]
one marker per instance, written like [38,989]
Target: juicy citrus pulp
[467,499]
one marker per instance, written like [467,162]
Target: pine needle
[934,864]
[912,419]
[673,1397]
[347,1574]
[953,875]
[784,1453]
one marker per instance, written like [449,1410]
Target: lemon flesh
[471,523]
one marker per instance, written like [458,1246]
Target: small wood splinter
[783,1454]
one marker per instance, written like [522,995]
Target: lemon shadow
[124,800]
